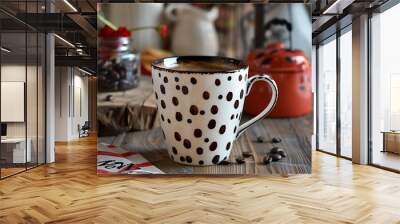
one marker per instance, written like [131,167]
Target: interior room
[335,93]
[49,122]
[42,77]
[22,98]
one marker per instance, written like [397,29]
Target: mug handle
[268,108]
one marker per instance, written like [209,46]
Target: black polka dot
[188,159]
[199,150]
[163,134]
[156,96]
[174,150]
[177,87]
[175,101]
[236,105]
[222,129]
[213,146]
[229,96]
[228,146]
[211,124]
[220,97]
[169,121]
[206,140]
[241,94]
[178,116]
[176,79]
[187,143]
[234,130]
[217,82]
[162,117]
[163,104]
[215,160]
[240,77]
[224,158]
[229,78]
[232,116]
[193,80]
[201,162]
[159,75]
[182,159]
[214,109]
[185,90]
[177,136]
[165,80]
[206,95]
[189,121]
[197,133]
[237,115]
[162,89]
[202,112]
[194,110]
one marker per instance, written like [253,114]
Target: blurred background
[228,29]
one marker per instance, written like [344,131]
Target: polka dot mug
[200,101]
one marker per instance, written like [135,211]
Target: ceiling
[332,15]
[73,20]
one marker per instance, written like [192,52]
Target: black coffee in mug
[192,64]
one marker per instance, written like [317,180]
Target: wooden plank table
[130,110]
[294,132]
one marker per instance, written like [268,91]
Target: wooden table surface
[294,132]
[130,110]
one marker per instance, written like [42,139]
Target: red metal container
[292,73]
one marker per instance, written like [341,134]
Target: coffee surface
[199,66]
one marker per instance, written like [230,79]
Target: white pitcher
[194,32]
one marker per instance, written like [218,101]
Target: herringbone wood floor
[69,191]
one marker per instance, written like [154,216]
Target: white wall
[33,126]
[70,83]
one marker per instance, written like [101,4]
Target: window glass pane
[346,93]
[386,89]
[327,97]
[15,149]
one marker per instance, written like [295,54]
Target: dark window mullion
[317,97]
[37,90]
[26,87]
[338,92]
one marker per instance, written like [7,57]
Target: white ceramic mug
[200,110]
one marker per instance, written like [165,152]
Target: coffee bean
[108,97]
[247,154]
[275,157]
[283,154]
[224,162]
[240,160]
[275,150]
[267,160]
[276,140]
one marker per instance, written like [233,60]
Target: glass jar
[118,67]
